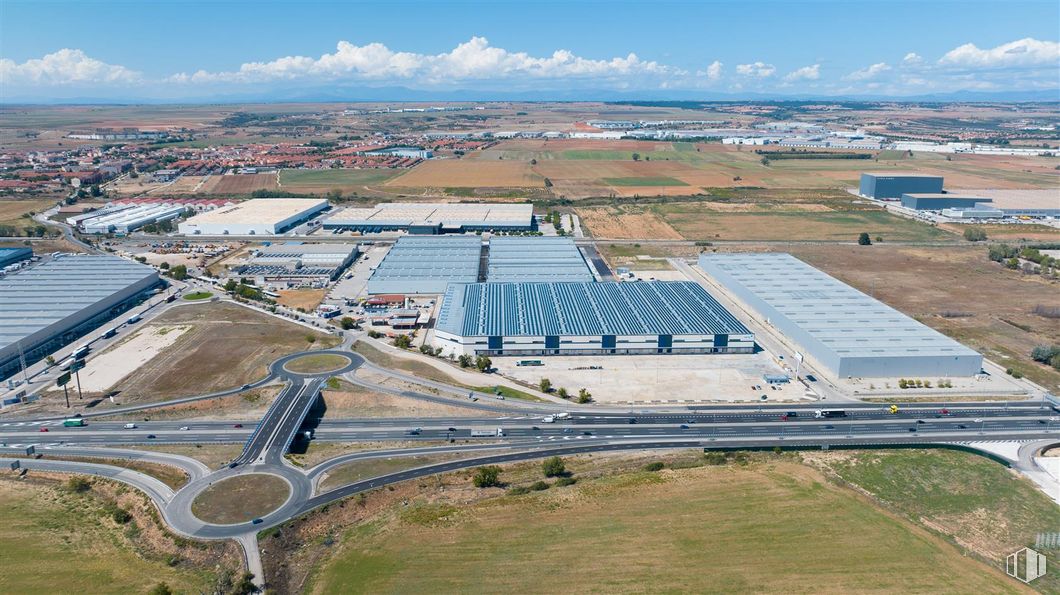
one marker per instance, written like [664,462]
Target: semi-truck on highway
[73,422]
[828,413]
[498,433]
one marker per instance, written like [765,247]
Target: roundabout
[241,499]
[317,363]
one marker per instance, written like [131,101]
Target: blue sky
[155,49]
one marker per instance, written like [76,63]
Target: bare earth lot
[228,345]
[468,173]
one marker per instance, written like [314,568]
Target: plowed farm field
[245,184]
[469,174]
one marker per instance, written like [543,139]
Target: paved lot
[648,378]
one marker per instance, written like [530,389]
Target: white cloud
[868,73]
[756,69]
[1023,52]
[64,67]
[472,60]
[806,73]
[713,71]
[912,58]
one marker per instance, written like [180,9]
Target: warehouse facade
[295,263]
[50,305]
[937,202]
[586,319]
[427,264]
[891,186]
[846,331]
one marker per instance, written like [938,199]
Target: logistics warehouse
[586,319]
[50,305]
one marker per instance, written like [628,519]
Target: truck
[81,351]
[549,419]
[829,413]
[110,333]
[74,422]
[498,433]
[133,319]
[563,415]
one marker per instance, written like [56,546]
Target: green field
[53,541]
[767,527]
[645,181]
[197,295]
[317,363]
[323,180]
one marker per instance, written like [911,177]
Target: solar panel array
[514,259]
[584,309]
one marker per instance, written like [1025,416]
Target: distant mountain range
[403,94]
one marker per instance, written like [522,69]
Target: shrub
[545,385]
[975,234]
[121,516]
[553,467]
[347,323]
[518,491]
[160,589]
[565,481]
[656,466]
[715,458]
[864,239]
[78,484]
[539,486]
[487,477]
[402,341]
[584,396]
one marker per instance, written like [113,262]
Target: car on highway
[632,421]
[567,430]
[962,427]
[829,427]
[920,421]
[244,387]
[978,420]
[184,428]
[811,378]
[233,465]
[684,426]
[912,429]
[45,430]
[415,431]
[238,426]
[256,522]
[151,436]
[129,426]
[452,429]
[792,414]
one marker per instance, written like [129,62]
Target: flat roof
[844,320]
[37,297]
[593,309]
[1004,198]
[939,195]
[527,259]
[292,249]
[258,210]
[899,174]
[401,213]
[424,264]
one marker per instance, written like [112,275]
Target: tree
[553,467]
[310,339]
[545,385]
[974,234]
[402,341]
[245,586]
[160,589]
[179,272]
[562,393]
[584,396]
[465,361]
[483,363]
[50,360]
[347,323]
[864,239]
[765,161]
[487,477]
[1045,353]
[164,266]
[78,484]
[533,162]
[636,157]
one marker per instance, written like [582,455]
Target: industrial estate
[364,347]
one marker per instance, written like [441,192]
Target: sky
[187,50]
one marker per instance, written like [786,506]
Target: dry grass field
[321,181]
[240,499]
[629,223]
[228,345]
[304,299]
[16,212]
[463,173]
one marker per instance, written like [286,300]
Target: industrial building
[297,264]
[586,319]
[427,264]
[128,218]
[529,259]
[845,331]
[435,218]
[937,202]
[891,186]
[259,216]
[50,305]
[11,256]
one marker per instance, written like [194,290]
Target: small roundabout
[241,498]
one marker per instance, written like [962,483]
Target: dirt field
[469,173]
[621,224]
[228,345]
[15,212]
[349,400]
[304,299]
[106,370]
[988,307]
[245,183]
[320,181]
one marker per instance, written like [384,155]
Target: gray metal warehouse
[938,202]
[526,259]
[844,330]
[426,264]
[586,319]
[892,185]
[50,305]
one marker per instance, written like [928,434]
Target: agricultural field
[322,181]
[633,528]
[956,291]
[630,223]
[461,173]
[245,183]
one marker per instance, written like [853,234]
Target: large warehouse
[426,264]
[892,185]
[527,259]
[435,218]
[259,216]
[844,330]
[47,306]
[938,202]
[295,263]
[586,319]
